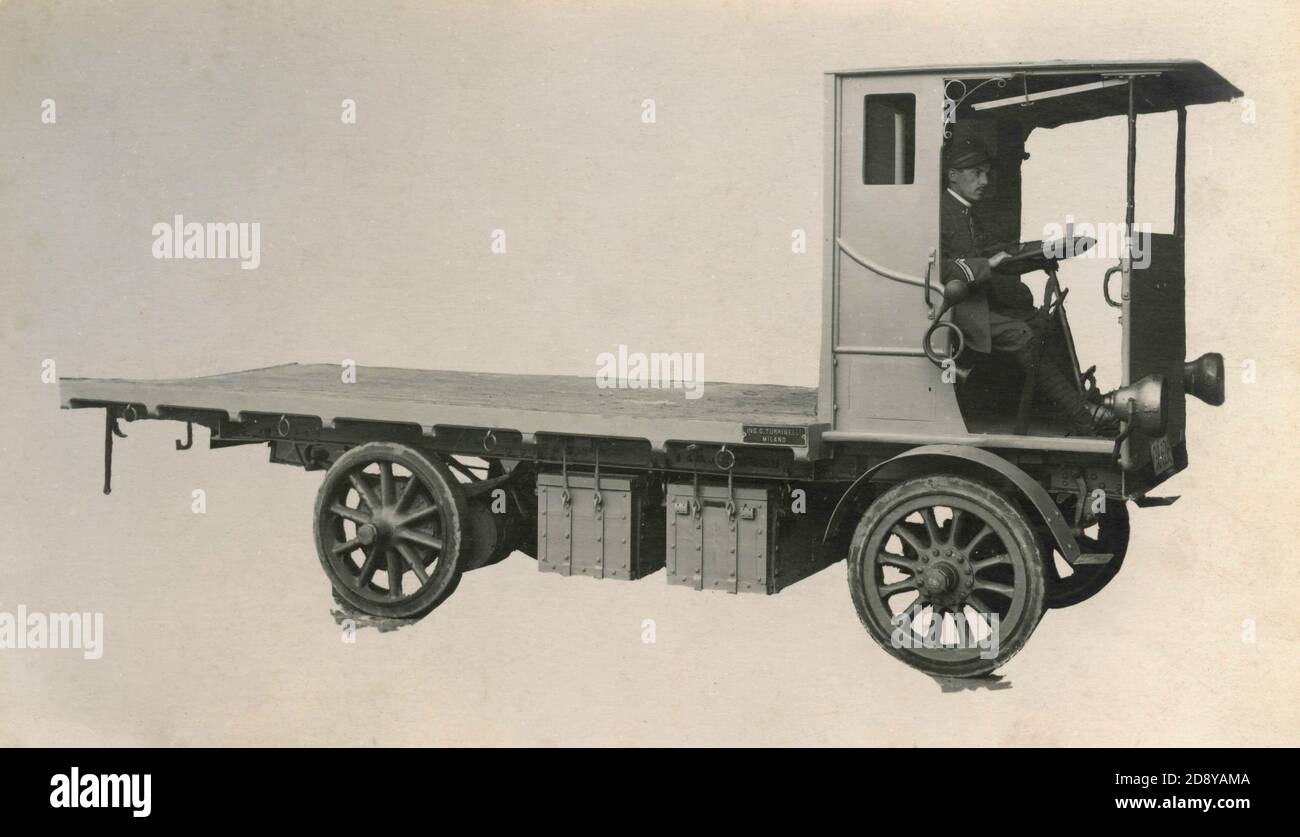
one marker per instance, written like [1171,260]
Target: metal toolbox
[738,539]
[616,532]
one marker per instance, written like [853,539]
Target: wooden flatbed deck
[526,403]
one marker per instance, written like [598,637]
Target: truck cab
[885,368]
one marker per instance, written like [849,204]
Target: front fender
[966,460]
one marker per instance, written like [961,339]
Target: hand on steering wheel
[1040,255]
[998,258]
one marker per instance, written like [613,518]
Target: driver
[999,315]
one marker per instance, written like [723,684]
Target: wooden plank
[527,403]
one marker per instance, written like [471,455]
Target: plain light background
[666,237]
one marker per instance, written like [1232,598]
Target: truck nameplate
[776,434]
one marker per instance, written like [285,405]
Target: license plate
[1162,458]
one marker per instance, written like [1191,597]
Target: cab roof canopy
[1056,93]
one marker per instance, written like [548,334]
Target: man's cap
[967,153]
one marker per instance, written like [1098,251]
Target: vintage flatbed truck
[962,508]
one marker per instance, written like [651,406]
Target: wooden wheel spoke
[999,560]
[346,547]
[349,513]
[954,524]
[897,587]
[394,574]
[1005,590]
[978,602]
[979,536]
[387,491]
[898,562]
[937,620]
[409,490]
[413,561]
[366,490]
[368,568]
[908,616]
[931,525]
[418,515]
[422,538]
[909,537]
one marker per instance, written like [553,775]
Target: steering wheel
[1041,255]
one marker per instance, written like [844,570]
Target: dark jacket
[965,251]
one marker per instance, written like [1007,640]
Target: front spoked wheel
[945,574]
[389,530]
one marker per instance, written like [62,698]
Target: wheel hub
[947,579]
[939,579]
[382,528]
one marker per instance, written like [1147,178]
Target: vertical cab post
[1153,304]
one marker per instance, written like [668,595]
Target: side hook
[110,430]
[189,437]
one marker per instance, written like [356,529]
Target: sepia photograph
[625,374]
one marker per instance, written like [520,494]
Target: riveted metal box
[740,539]
[616,532]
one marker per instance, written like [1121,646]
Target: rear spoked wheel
[946,576]
[390,530]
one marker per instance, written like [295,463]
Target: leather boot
[1085,417]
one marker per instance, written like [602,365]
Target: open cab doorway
[1119,277]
